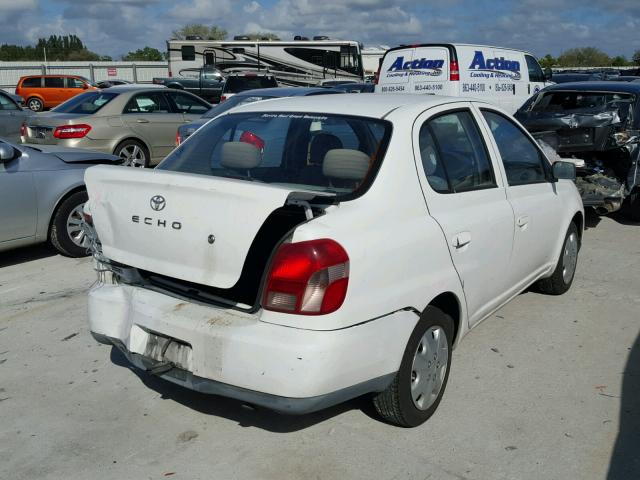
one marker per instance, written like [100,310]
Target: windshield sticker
[297,116]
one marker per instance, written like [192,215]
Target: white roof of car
[376,105]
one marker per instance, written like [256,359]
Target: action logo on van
[494,67]
[421,66]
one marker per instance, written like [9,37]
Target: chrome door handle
[142,120]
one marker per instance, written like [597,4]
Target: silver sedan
[12,116]
[136,123]
[42,194]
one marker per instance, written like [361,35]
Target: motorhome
[296,63]
[502,76]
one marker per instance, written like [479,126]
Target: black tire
[35,104]
[633,205]
[557,284]
[395,404]
[59,236]
[127,150]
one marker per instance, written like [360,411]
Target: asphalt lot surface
[548,388]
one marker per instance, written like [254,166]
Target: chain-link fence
[138,72]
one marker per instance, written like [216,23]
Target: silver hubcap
[429,367]
[74,227]
[34,105]
[133,156]
[569,257]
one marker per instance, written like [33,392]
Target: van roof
[455,45]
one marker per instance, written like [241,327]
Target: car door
[465,194]
[18,210]
[150,116]
[190,106]
[54,91]
[11,118]
[531,192]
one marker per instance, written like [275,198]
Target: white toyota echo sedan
[296,253]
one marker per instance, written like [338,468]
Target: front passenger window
[523,161]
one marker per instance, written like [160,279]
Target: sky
[115,27]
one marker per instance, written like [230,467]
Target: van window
[32,82]
[74,83]
[523,161]
[535,72]
[454,156]
[53,82]
[188,52]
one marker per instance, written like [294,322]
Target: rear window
[240,84]
[233,102]
[32,82]
[86,103]
[333,154]
[571,101]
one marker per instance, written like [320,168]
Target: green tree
[584,57]
[548,61]
[262,35]
[636,57]
[199,29]
[147,54]
[619,61]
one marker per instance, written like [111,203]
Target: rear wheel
[416,390]
[133,154]
[66,233]
[35,104]
[562,277]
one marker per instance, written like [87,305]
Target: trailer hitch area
[161,368]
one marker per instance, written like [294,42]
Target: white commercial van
[502,76]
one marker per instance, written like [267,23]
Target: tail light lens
[253,139]
[222,98]
[178,138]
[307,278]
[23,130]
[71,131]
[454,73]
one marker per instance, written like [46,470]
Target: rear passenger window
[188,52]
[147,103]
[523,161]
[453,154]
[53,82]
[33,82]
[188,104]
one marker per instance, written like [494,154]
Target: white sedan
[299,252]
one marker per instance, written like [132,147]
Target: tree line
[71,48]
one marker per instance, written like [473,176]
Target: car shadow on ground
[625,459]
[26,254]
[245,415]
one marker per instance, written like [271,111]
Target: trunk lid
[40,127]
[190,227]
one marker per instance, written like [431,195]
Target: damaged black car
[596,125]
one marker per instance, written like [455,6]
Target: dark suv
[239,82]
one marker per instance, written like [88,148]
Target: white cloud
[13,5]
[252,7]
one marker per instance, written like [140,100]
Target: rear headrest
[320,144]
[345,163]
[240,155]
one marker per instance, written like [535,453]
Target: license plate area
[161,348]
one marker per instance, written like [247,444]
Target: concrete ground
[548,388]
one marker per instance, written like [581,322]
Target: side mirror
[7,152]
[564,171]
[548,73]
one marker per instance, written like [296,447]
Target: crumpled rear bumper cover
[293,406]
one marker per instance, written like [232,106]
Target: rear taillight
[307,278]
[222,98]
[23,130]
[253,139]
[170,74]
[71,131]
[454,73]
[178,138]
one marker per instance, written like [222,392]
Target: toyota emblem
[158,203]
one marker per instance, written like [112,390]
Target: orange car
[48,91]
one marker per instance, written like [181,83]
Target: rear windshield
[240,84]
[572,101]
[327,153]
[233,102]
[87,103]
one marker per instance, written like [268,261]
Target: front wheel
[416,390]
[562,277]
[67,235]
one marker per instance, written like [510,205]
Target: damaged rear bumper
[233,354]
